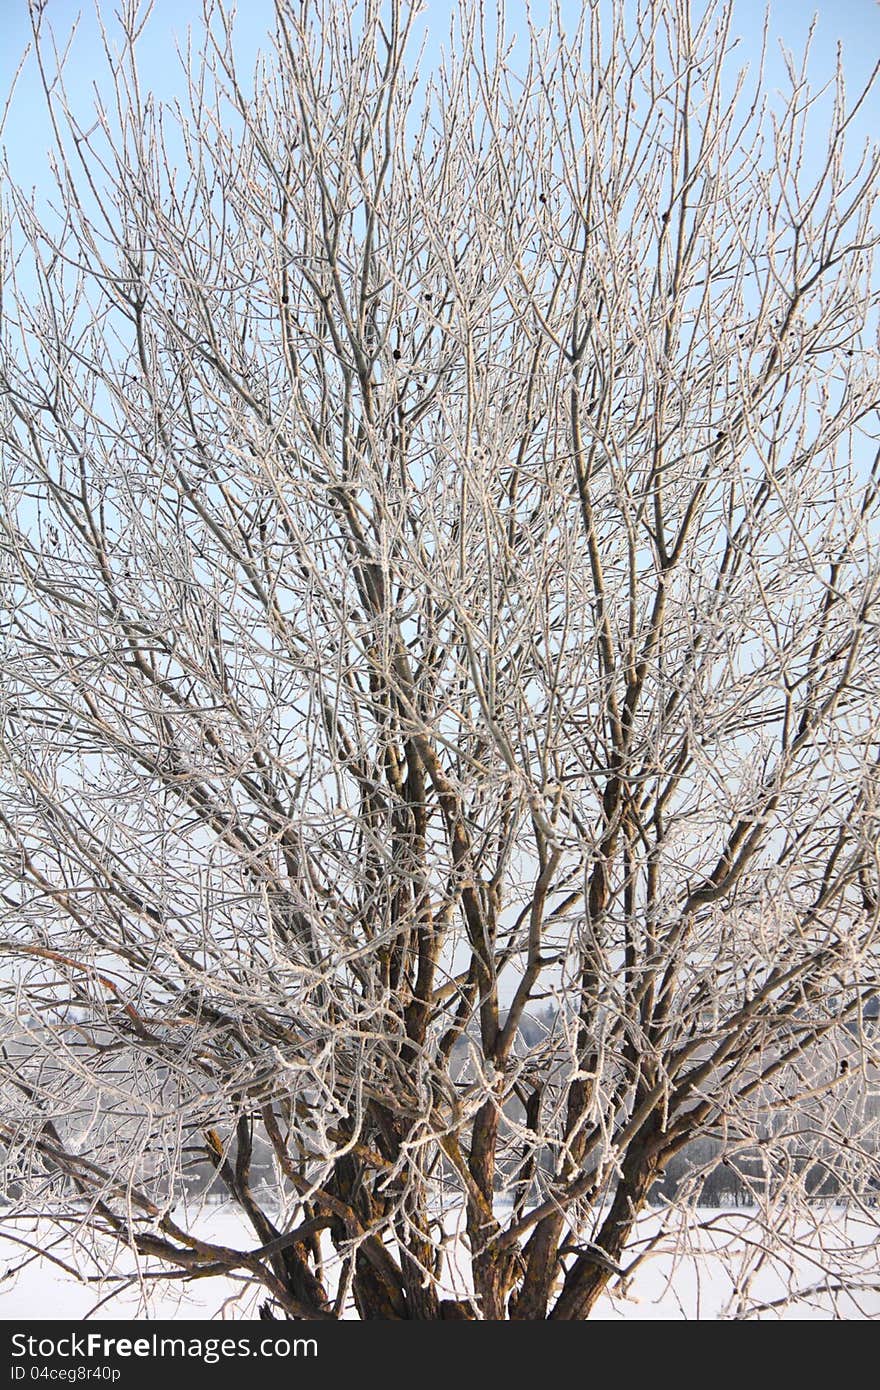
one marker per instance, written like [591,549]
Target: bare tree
[440,666]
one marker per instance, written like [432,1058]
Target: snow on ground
[725,1273]
[45,1290]
[698,1284]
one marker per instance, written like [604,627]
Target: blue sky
[854,23]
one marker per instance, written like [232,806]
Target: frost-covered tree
[440,721]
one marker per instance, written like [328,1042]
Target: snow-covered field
[696,1283]
[46,1290]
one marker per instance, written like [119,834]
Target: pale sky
[854,23]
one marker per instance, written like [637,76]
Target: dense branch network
[440,642]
